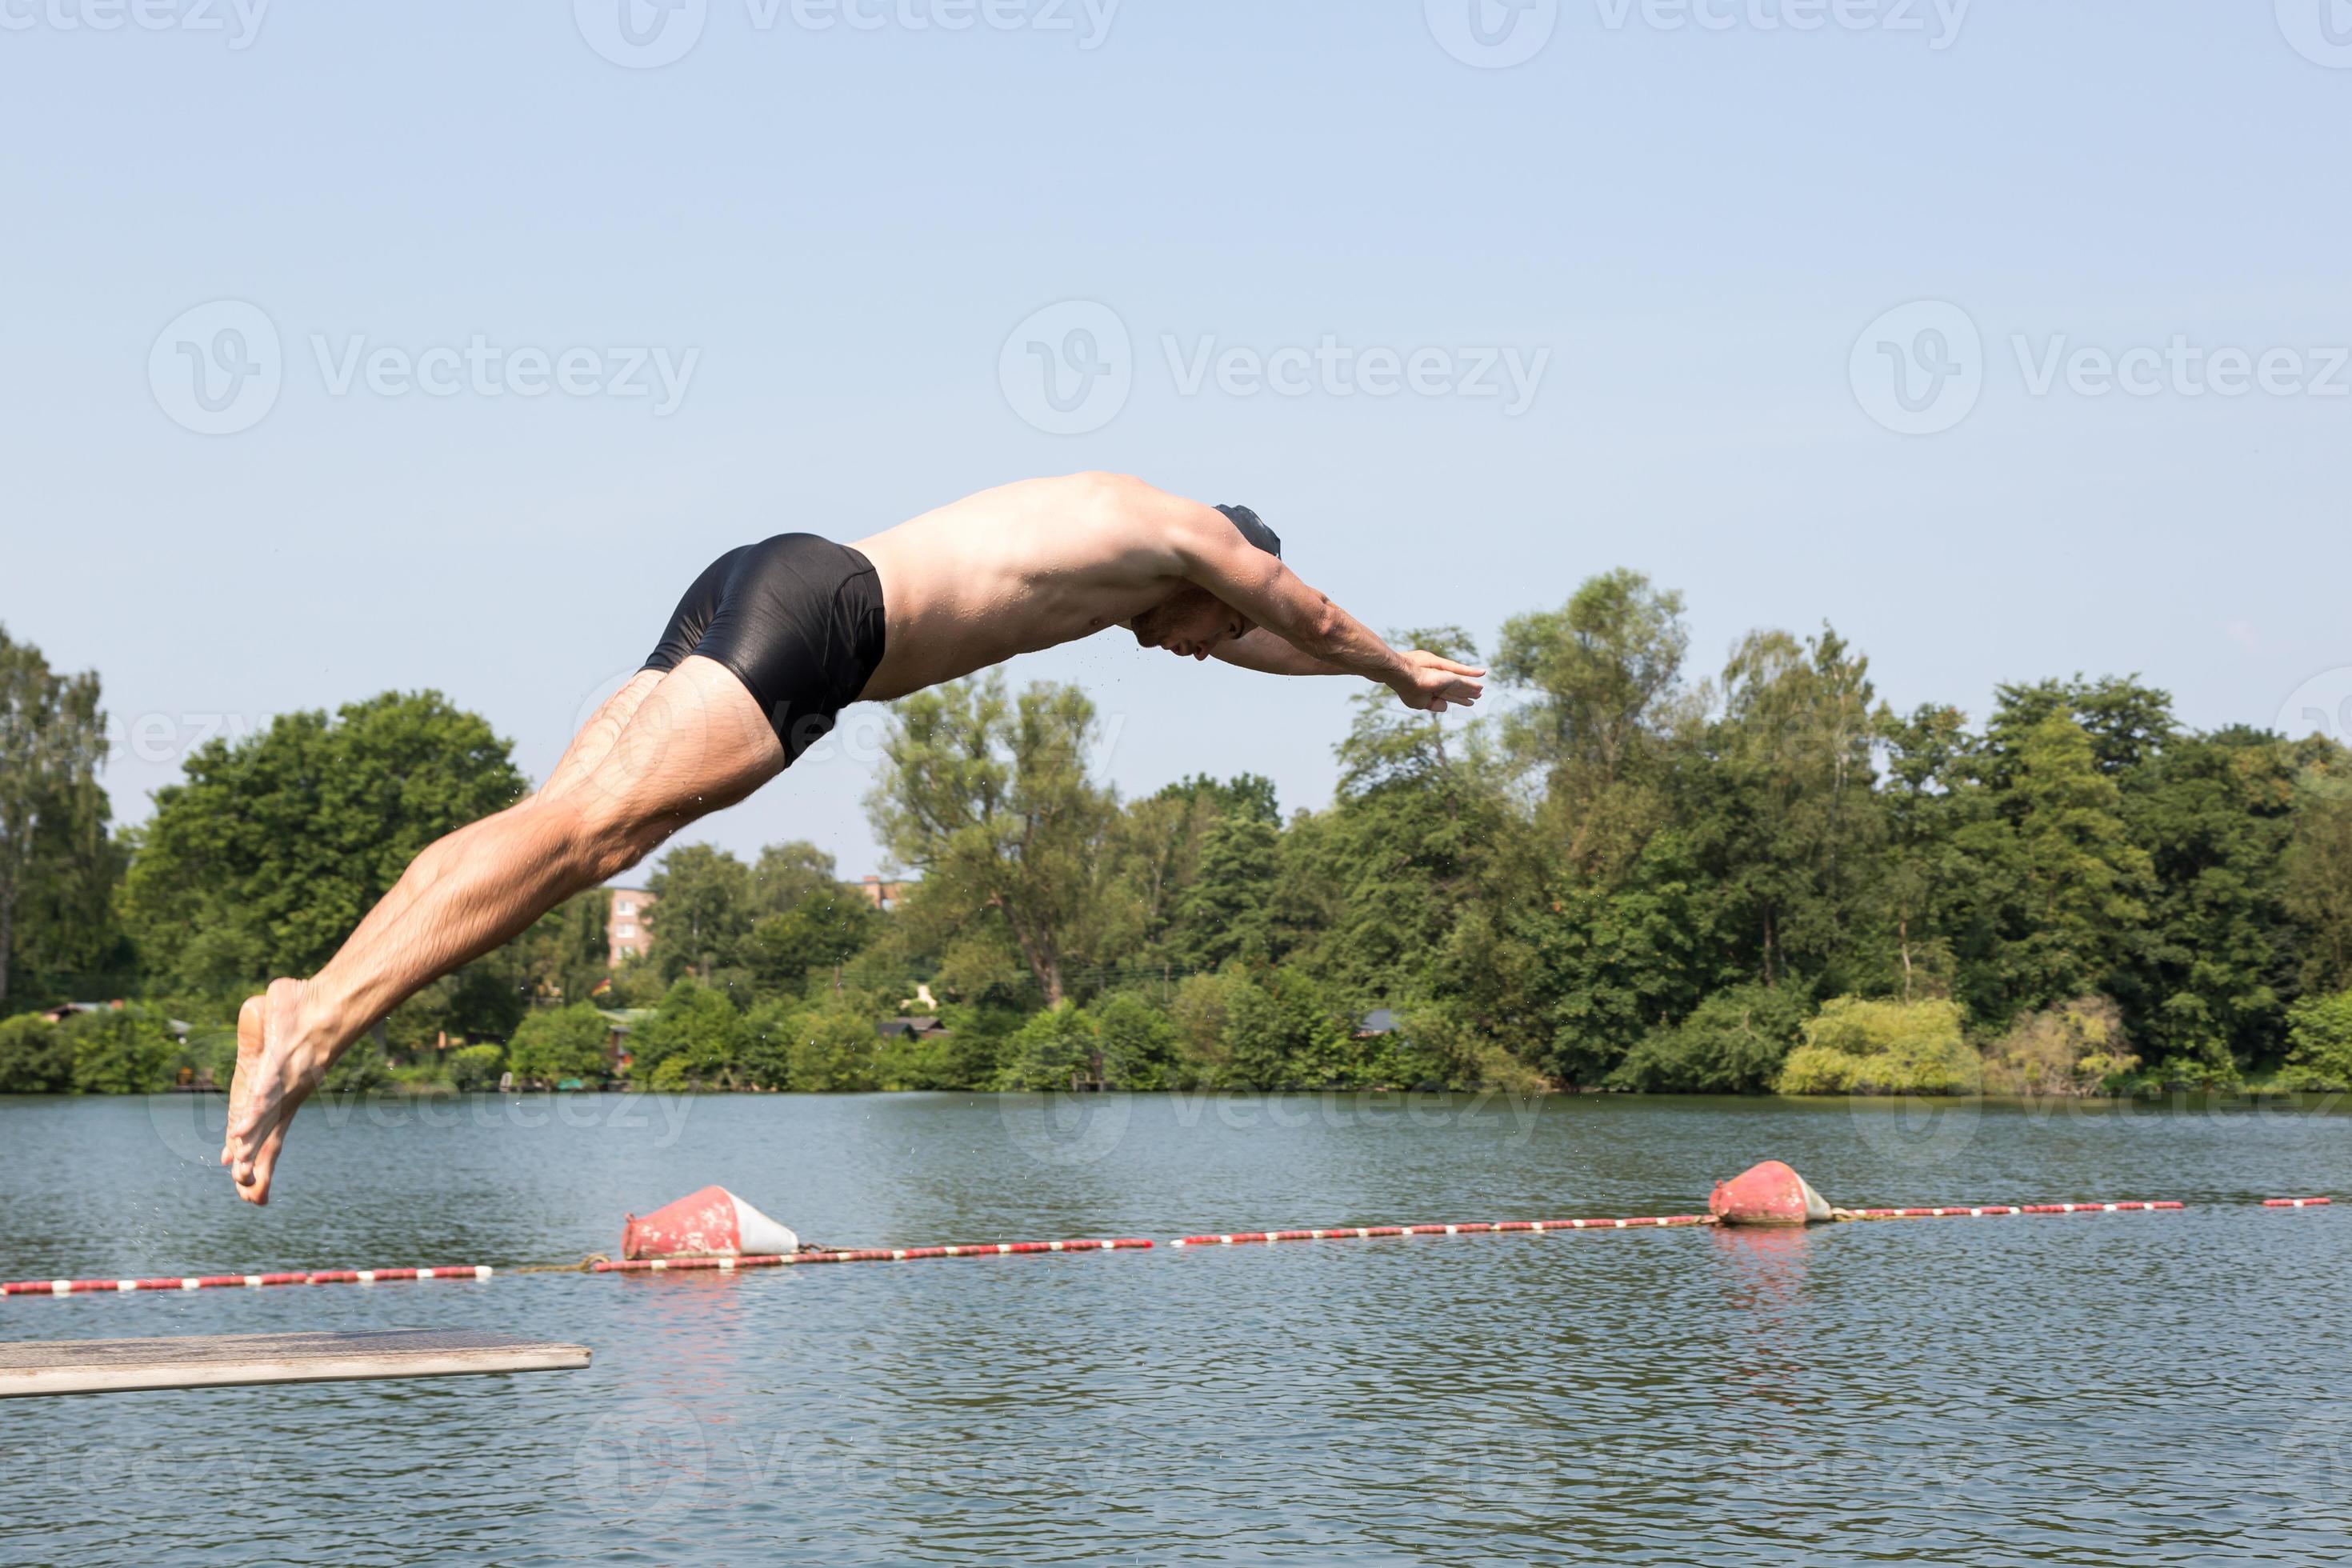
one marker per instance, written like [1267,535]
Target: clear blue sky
[833,230]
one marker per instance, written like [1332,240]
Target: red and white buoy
[1768,1193]
[712,1223]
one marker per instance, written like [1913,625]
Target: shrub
[1854,1047]
[769,1030]
[2319,1043]
[1138,1042]
[558,1044]
[474,1068]
[1735,1042]
[1198,1013]
[1286,1034]
[121,1051]
[698,1026]
[36,1057]
[837,1052]
[1052,1050]
[2076,1047]
[360,1068]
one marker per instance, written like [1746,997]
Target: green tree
[1857,1046]
[121,1051]
[57,867]
[263,860]
[559,1044]
[2318,870]
[1136,1042]
[827,928]
[1054,1049]
[1787,820]
[35,1057]
[702,912]
[989,798]
[1288,1033]
[1603,680]
[1734,1041]
[788,873]
[2319,1032]
[1228,910]
[475,1067]
[2085,881]
[697,1026]
[837,1052]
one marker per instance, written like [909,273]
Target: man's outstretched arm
[1320,637]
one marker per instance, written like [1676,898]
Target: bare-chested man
[769,645]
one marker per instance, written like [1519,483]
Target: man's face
[1189,623]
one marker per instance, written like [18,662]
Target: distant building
[882,895]
[910,1028]
[626,934]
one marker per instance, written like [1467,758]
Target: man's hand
[1432,685]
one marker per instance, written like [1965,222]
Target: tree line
[1638,875]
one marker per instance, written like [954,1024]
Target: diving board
[113,1366]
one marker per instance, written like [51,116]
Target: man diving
[768,646]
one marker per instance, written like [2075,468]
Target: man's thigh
[696,743]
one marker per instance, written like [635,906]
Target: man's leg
[665,750]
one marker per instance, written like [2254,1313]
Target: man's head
[1191,620]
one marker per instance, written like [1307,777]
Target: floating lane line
[1496,1228]
[2294,1203]
[863,1255]
[241,1281]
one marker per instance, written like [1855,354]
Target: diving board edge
[121,1366]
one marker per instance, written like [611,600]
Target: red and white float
[712,1223]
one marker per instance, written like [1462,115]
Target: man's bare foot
[277,1068]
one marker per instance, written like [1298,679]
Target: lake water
[2111,1389]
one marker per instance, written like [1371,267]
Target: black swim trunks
[797,618]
